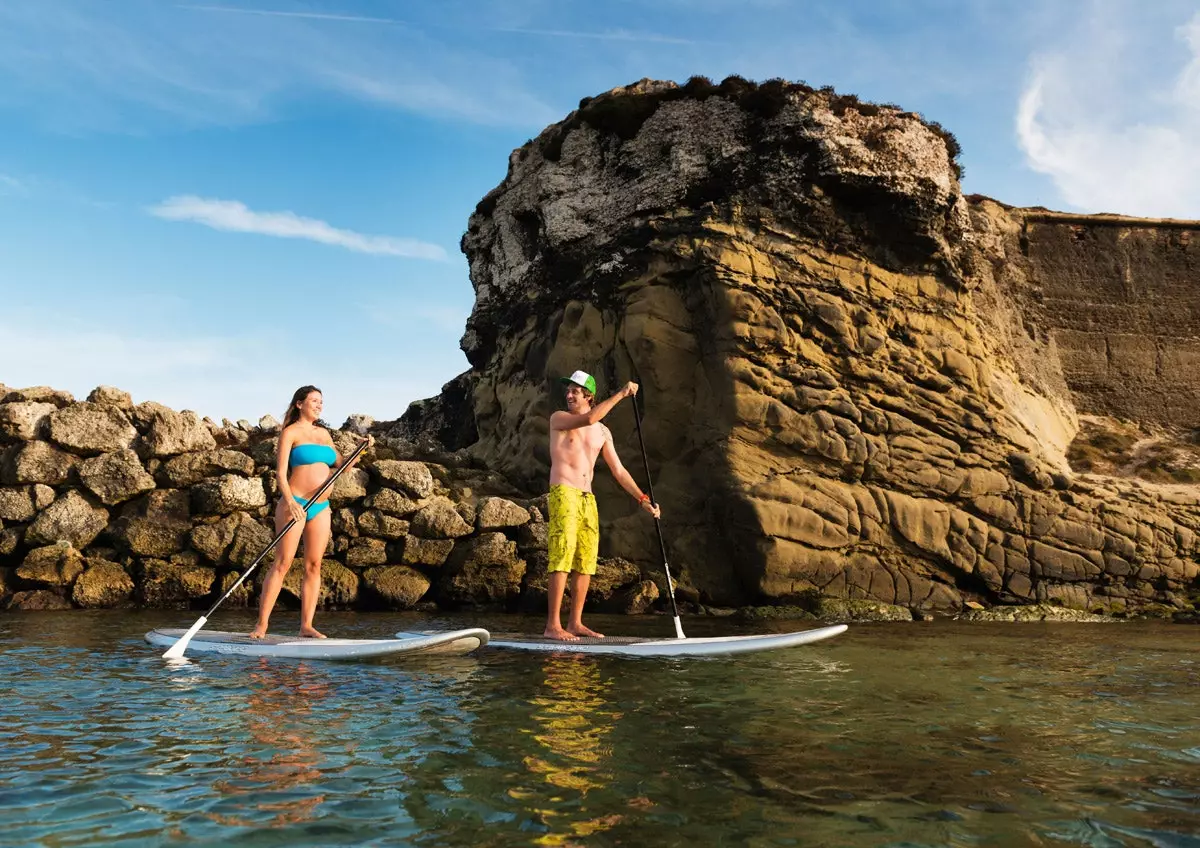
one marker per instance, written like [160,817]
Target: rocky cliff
[857,383]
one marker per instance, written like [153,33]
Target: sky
[209,204]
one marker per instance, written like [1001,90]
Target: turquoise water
[889,735]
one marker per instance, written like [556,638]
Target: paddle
[176,651]
[637,416]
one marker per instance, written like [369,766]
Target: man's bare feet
[586,632]
[258,632]
[311,633]
[560,634]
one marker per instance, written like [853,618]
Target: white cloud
[234,216]
[1111,131]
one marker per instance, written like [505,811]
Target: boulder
[154,537]
[71,518]
[188,469]
[228,493]
[438,519]
[173,585]
[103,584]
[339,585]
[483,570]
[398,586]
[213,539]
[16,504]
[393,503]
[170,433]
[40,462]
[88,429]
[39,600]
[10,539]
[110,396]
[25,420]
[432,552]
[534,536]
[358,424]
[379,524]
[411,477]
[497,513]
[115,477]
[39,394]
[349,487]
[167,505]
[364,552]
[634,600]
[52,565]
[43,496]
[249,540]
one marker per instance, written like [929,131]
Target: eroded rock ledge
[857,382]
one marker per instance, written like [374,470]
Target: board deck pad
[634,646]
[299,647]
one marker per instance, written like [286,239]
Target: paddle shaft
[662,545]
[178,648]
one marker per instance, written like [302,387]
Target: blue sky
[210,203]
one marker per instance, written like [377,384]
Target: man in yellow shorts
[576,438]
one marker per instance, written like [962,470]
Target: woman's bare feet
[560,634]
[311,633]
[586,632]
[258,632]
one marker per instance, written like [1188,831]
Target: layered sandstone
[856,383]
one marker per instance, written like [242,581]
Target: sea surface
[915,734]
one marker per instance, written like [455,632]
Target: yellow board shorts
[574,530]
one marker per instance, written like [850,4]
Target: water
[889,735]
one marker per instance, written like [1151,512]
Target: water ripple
[890,735]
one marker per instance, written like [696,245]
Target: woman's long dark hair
[293,413]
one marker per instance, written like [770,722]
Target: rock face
[856,382]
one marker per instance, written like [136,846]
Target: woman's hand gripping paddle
[176,651]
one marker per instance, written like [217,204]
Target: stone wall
[104,503]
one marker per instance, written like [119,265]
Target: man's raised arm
[562,420]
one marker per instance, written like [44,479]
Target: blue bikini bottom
[314,510]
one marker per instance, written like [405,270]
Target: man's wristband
[643,499]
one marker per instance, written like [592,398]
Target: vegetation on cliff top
[622,113]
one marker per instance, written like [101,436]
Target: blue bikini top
[311,454]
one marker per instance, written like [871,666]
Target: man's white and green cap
[581,378]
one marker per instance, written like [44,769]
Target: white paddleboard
[296,647]
[704,646]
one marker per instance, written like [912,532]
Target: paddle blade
[678,630]
[176,651]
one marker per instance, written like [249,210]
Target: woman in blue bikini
[305,461]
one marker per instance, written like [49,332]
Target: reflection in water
[280,776]
[574,711]
[941,734]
